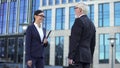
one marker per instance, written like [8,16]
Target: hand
[45,41]
[70,61]
[29,63]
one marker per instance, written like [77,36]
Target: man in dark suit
[36,41]
[82,39]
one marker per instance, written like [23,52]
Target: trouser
[80,65]
[37,63]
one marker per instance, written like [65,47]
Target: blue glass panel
[44,3]
[60,18]
[77,0]
[47,20]
[70,1]
[117,49]
[50,2]
[63,1]
[117,14]
[59,43]
[57,2]
[104,15]
[104,48]
[91,12]
[71,17]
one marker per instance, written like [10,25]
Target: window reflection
[11,49]
[63,1]
[91,12]
[47,20]
[70,1]
[117,48]
[50,2]
[104,48]
[117,13]
[59,43]
[44,3]
[60,18]
[57,2]
[2,48]
[104,15]
[71,17]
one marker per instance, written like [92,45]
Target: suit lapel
[35,29]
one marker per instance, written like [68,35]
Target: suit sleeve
[75,37]
[92,44]
[28,43]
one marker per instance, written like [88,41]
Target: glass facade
[44,3]
[70,1]
[47,20]
[104,48]
[77,0]
[59,43]
[63,1]
[117,49]
[117,13]
[103,15]
[50,2]
[91,12]
[71,17]
[23,13]
[60,19]
[57,2]
[3,17]
[2,47]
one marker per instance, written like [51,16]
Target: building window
[104,15]
[103,48]
[35,6]
[44,2]
[117,14]
[70,1]
[50,2]
[12,17]
[71,17]
[23,13]
[63,1]
[57,2]
[91,12]
[47,53]
[59,43]
[20,49]
[60,18]
[47,20]
[77,0]
[3,17]
[2,48]
[117,48]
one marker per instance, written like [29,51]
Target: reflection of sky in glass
[117,13]
[104,46]
[57,2]
[44,3]
[63,1]
[71,17]
[47,20]
[117,52]
[70,1]
[23,13]
[77,0]
[91,12]
[104,15]
[3,13]
[60,18]
[50,2]
[12,20]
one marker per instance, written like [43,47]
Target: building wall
[111,29]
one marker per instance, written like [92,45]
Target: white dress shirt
[40,31]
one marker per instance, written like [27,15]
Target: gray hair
[83,6]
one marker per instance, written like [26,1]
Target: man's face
[77,11]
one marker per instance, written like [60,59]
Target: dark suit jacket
[34,45]
[82,40]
